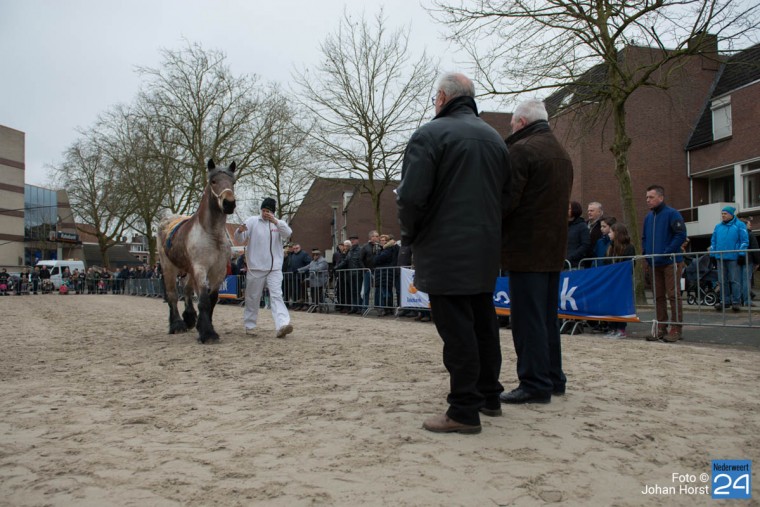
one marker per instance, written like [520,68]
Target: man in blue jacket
[729,234]
[664,233]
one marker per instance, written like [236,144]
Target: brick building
[335,208]
[723,152]
[674,141]
[658,121]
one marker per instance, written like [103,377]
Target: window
[751,184]
[721,118]
[722,189]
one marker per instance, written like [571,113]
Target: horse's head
[221,182]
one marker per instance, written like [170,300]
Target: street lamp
[334,205]
[58,247]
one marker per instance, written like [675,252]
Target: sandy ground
[99,406]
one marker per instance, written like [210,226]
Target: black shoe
[490,412]
[519,396]
[736,308]
[558,391]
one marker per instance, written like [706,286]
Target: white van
[56,268]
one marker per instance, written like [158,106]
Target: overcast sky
[65,61]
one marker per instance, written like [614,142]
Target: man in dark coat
[454,177]
[533,251]
[352,262]
[578,238]
[296,260]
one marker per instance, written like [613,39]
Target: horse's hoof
[190,322]
[177,327]
[209,338]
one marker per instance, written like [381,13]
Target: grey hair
[454,84]
[596,205]
[531,110]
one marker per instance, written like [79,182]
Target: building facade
[35,223]
[697,137]
[335,208]
[11,198]
[723,152]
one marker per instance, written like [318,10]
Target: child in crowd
[621,248]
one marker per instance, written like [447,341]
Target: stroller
[701,281]
[46,286]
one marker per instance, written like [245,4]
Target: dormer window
[721,118]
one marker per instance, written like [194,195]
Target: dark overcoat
[454,179]
[535,224]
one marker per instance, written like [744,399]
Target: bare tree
[202,111]
[524,47]
[285,160]
[95,192]
[147,178]
[367,97]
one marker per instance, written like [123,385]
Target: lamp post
[334,205]
[58,247]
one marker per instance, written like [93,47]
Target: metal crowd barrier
[698,286]
[346,291]
[146,287]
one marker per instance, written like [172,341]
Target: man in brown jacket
[534,240]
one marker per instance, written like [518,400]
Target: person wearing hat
[317,271]
[264,236]
[729,236]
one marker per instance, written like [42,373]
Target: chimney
[706,45]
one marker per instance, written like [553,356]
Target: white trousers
[254,287]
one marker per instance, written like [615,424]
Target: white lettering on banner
[502,297]
[567,295]
[223,288]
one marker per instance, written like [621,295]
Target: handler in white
[264,235]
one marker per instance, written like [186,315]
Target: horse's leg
[213,299]
[176,325]
[190,316]
[206,304]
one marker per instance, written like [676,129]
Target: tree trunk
[619,149]
[376,205]
[152,244]
[103,245]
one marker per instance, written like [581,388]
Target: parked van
[56,269]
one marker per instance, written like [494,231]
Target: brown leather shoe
[672,337]
[443,424]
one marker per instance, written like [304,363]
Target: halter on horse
[198,246]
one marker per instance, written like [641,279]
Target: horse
[197,246]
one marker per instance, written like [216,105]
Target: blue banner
[229,288]
[603,293]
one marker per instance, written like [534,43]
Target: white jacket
[264,243]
